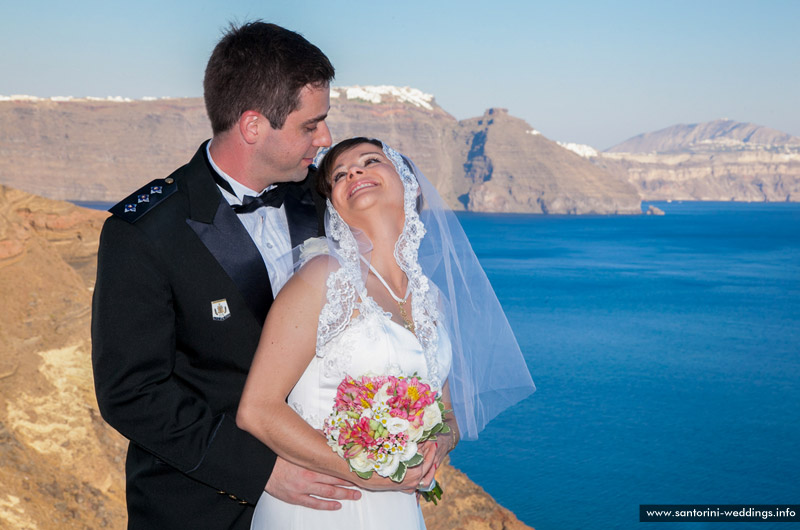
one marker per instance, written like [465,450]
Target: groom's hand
[296,485]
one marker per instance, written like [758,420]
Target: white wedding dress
[371,343]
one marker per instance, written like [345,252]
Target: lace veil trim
[346,285]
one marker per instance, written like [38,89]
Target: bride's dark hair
[326,166]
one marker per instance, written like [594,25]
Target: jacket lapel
[217,226]
[301,213]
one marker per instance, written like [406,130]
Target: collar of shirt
[239,189]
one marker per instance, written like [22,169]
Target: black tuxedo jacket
[181,296]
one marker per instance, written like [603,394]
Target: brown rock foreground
[61,466]
[465,506]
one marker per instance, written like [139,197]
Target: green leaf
[366,475]
[434,495]
[400,474]
[414,460]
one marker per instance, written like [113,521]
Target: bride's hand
[435,452]
[443,444]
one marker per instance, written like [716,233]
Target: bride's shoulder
[318,268]
[314,258]
[309,282]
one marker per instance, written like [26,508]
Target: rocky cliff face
[720,160]
[94,150]
[511,168]
[61,466]
[716,135]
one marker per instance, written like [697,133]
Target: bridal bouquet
[377,423]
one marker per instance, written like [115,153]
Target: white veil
[488,372]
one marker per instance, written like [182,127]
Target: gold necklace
[402,305]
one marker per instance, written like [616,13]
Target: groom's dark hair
[262,67]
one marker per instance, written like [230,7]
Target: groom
[187,269]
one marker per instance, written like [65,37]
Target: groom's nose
[322,136]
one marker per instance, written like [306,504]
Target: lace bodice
[371,342]
[368,343]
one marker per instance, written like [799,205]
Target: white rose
[414,433]
[431,417]
[411,450]
[361,463]
[313,246]
[395,425]
[382,395]
[387,465]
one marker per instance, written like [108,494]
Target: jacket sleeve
[134,358]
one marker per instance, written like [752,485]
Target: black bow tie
[272,198]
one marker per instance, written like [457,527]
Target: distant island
[100,149]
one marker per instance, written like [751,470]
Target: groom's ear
[252,125]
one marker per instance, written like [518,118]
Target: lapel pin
[220,310]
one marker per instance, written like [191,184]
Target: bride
[395,289]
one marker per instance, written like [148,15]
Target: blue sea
[666,354]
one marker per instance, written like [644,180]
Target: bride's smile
[358,186]
[360,172]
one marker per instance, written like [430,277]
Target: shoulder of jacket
[139,203]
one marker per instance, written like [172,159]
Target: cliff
[96,150]
[101,150]
[716,135]
[61,466]
[721,160]
[512,168]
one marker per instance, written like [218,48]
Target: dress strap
[391,292]
[401,302]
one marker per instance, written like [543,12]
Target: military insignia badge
[220,310]
[137,204]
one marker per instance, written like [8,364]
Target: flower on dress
[313,246]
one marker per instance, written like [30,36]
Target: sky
[592,72]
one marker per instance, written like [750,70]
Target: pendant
[404,316]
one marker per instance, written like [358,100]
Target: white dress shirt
[267,226]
